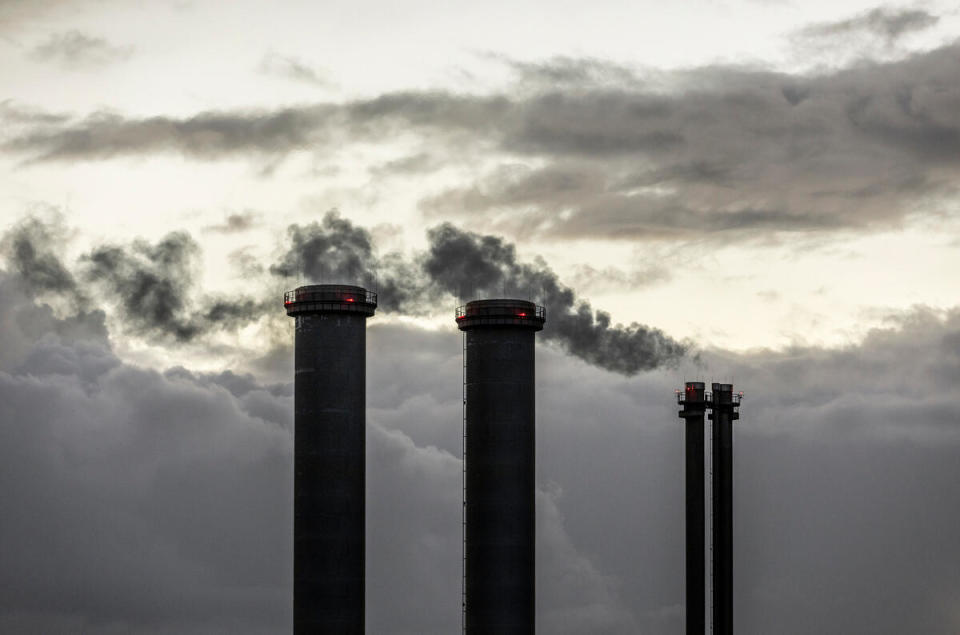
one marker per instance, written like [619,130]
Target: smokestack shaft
[693,415]
[500,468]
[329,457]
[723,416]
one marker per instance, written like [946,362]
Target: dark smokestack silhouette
[693,401]
[499,416]
[329,457]
[724,412]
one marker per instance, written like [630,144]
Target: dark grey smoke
[332,251]
[153,284]
[29,251]
[469,264]
[335,251]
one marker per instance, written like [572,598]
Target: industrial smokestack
[329,460]
[724,412]
[693,401]
[499,413]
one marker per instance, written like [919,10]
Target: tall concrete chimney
[329,459]
[724,412]
[499,416]
[694,405]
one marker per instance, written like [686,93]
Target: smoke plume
[467,265]
[153,283]
[28,248]
[335,251]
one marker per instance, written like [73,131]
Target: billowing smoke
[29,251]
[153,283]
[469,265]
[335,251]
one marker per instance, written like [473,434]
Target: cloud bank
[716,151]
[154,501]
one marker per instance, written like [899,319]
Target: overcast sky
[760,192]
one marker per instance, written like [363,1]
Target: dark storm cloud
[172,512]
[139,501]
[729,148]
[74,50]
[834,479]
[849,453]
[153,286]
[886,22]
[129,491]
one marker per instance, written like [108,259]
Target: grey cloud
[13,113]
[236,223]
[572,202]
[404,166]
[74,50]
[574,72]
[206,135]
[886,22]
[173,511]
[756,152]
[15,14]
[110,470]
[614,278]
[291,68]
[726,148]
[149,502]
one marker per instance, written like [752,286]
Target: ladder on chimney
[463,485]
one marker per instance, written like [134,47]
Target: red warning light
[521,315]
[349,299]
